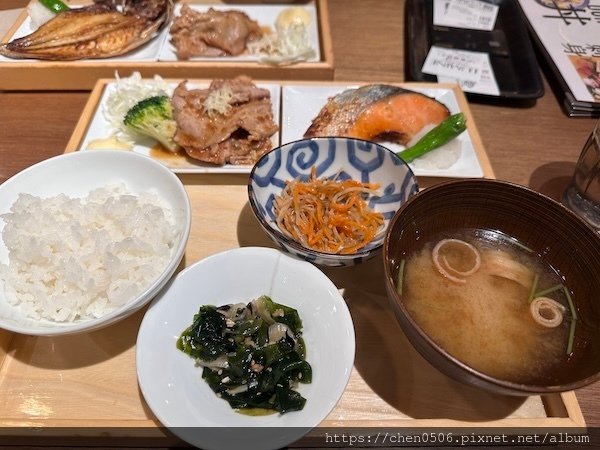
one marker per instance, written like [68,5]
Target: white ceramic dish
[150,51]
[99,128]
[172,384]
[76,174]
[298,104]
[265,15]
[301,104]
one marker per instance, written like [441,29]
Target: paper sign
[470,14]
[471,70]
[486,86]
[459,64]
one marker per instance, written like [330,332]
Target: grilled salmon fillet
[377,111]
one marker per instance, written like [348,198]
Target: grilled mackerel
[100,30]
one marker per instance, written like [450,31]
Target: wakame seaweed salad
[253,354]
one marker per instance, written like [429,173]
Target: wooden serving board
[86,384]
[82,75]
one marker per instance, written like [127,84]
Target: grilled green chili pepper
[56,6]
[447,130]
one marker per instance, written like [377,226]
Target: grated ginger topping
[219,101]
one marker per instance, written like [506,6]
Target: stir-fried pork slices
[230,122]
[212,33]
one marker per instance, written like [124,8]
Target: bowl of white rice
[87,238]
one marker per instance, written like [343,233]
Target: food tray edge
[83,75]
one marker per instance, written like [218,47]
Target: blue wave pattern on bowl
[332,157]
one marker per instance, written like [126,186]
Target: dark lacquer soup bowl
[497,286]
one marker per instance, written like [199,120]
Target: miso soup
[472,294]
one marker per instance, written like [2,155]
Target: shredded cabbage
[126,93]
[288,45]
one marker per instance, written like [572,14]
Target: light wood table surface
[533,144]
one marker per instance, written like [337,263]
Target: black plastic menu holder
[511,53]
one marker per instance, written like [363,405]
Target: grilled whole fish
[377,111]
[99,30]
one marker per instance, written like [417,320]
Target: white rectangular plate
[99,128]
[301,104]
[265,15]
[298,104]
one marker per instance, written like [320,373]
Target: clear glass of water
[583,193]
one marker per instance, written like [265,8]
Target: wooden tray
[87,382]
[82,75]
[86,385]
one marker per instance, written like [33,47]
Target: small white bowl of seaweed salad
[87,238]
[249,348]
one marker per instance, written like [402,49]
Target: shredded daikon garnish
[125,93]
[218,101]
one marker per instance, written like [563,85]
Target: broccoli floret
[153,117]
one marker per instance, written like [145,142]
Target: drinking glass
[583,193]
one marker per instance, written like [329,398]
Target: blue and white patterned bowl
[349,158]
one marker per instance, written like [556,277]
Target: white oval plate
[172,384]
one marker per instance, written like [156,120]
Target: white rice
[76,259]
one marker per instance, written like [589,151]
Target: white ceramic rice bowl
[76,174]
